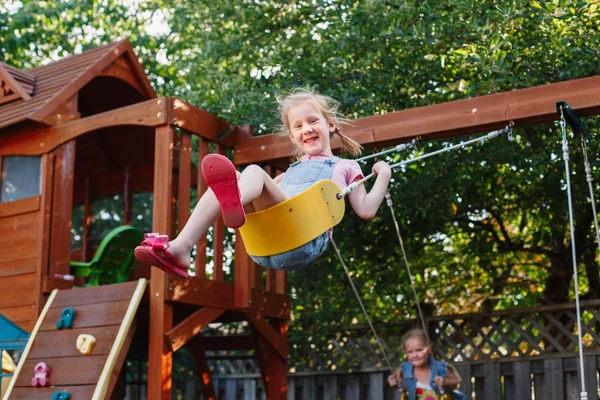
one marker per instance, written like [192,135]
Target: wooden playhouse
[90,125]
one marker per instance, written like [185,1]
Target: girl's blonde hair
[415,334]
[327,106]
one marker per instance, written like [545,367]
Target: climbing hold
[85,343]
[61,396]
[41,375]
[66,319]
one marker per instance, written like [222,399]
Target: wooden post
[198,353]
[201,187]
[88,214]
[273,367]
[62,208]
[160,359]
[127,196]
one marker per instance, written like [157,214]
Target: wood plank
[201,187]
[271,305]
[241,276]
[27,221]
[219,240]
[273,363]
[522,380]
[29,393]
[275,337]
[20,266]
[191,326]
[21,313]
[330,387]
[66,371]
[160,359]
[591,376]
[62,206]
[89,315]
[456,118]
[201,292]
[148,113]
[352,387]
[184,181]
[375,386]
[127,197]
[44,220]
[197,350]
[22,206]
[19,290]
[93,295]
[309,387]
[52,344]
[492,382]
[200,122]
[554,379]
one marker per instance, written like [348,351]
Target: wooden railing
[248,275]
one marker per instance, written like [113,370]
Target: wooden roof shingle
[58,81]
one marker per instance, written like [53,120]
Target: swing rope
[411,278]
[565,148]
[588,176]
[362,306]
[481,139]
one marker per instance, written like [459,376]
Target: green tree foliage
[485,227]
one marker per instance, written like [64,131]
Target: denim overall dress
[300,176]
[436,368]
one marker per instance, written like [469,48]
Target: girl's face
[309,129]
[417,352]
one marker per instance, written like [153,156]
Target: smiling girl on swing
[310,120]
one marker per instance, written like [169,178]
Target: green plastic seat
[114,261]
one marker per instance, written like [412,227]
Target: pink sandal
[153,251]
[219,174]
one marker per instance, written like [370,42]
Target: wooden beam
[148,113]
[273,364]
[160,358]
[276,339]
[201,292]
[178,336]
[456,118]
[198,352]
[202,123]
[271,305]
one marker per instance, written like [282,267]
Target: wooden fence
[507,355]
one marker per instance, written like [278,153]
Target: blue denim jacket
[300,176]
[436,368]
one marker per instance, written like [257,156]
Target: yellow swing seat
[294,222]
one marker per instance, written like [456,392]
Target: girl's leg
[256,188]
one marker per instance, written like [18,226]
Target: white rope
[362,306]
[390,204]
[399,148]
[481,139]
[565,147]
[588,176]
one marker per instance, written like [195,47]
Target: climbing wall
[107,315]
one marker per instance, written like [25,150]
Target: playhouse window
[20,178]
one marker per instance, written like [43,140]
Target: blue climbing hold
[66,319]
[61,396]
